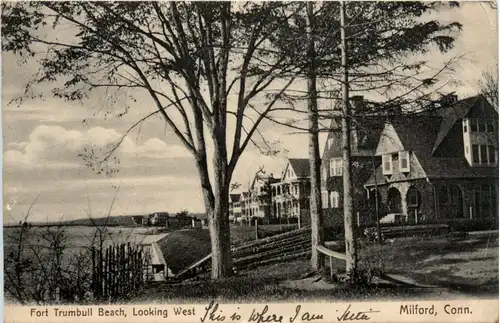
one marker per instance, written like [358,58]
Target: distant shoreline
[44,225]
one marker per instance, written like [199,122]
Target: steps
[286,246]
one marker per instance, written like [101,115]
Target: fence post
[256,230]
[331,267]
[94,276]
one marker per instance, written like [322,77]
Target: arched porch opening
[394,204]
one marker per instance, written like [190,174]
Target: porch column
[404,204]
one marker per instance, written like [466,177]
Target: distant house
[137,219]
[365,135]
[158,218]
[179,221]
[290,194]
[234,207]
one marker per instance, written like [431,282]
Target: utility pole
[314,157]
[350,243]
[377,208]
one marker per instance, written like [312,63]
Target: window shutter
[387,164]
[404,161]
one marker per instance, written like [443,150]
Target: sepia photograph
[231,152]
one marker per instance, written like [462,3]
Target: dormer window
[387,164]
[404,161]
[475,154]
[480,125]
[492,155]
[484,155]
[473,125]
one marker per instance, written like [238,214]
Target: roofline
[463,177]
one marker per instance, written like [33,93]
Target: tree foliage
[489,86]
[387,42]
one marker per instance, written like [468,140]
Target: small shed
[173,252]
[158,265]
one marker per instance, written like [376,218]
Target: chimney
[357,103]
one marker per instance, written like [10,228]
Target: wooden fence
[118,269]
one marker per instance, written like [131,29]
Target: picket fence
[118,269]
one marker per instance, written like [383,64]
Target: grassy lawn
[466,267]
[264,284]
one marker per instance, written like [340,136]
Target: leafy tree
[202,64]
[489,86]
[387,42]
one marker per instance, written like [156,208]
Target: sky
[42,139]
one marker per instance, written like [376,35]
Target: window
[482,126]
[484,153]
[413,197]
[490,127]
[467,149]
[404,161]
[387,164]
[334,199]
[336,167]
[473,125]
[455,195]
[465,126]
[475,154]
[492,155]
[332,166]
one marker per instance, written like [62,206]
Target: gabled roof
[423,133]
[300,166]
[369,129]
[453,113]
[417,133]
[263,178]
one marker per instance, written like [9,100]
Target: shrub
[371,234]
[362,277]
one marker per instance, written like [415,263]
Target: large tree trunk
[219,218]
[216,199]
[350,244]
[220,235]
[217,208]
[314,156]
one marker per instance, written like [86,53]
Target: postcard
[264,162]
